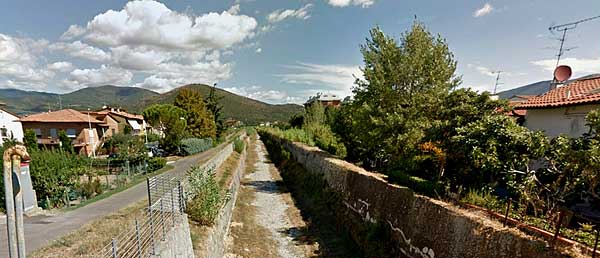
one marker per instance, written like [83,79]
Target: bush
[196,145]
[238,145]
[205,198]
[417,184]
[156,163]
[485,199]
[91,188]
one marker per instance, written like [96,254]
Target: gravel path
[271,207]
[41,230]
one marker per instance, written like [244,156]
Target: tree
[200,122]
[170,120]
[66,144]
[30,140]
[402,91]
[213,106]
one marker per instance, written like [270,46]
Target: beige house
[117,119]
[563,109]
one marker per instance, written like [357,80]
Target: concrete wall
[12,125]
[215,242]
[412,225]
[178,243]
[562,120]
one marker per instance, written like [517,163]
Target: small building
[10,126]
[117,119]
[563,110]
[327,100]
[81,128]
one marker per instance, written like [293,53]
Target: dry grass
[91,237]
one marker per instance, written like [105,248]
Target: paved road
[41,230]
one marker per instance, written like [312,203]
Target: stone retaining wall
[408,224]
[178,242]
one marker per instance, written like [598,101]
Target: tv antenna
[564,28]
[497,80]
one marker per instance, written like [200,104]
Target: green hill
[236,107]
[135,99]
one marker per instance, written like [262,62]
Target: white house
[563,109]
[10,127]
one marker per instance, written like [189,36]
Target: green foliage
[127,129]
[66,144]
[171,121]
[192,146]
[484,198]
[417,184]
[200,122]
[156,163]
[90,188]
[238,145]
[296,121]
[205,198]
[30,140]
[152,137]
[128,147]
[213,106]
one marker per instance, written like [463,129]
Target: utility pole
[497,80]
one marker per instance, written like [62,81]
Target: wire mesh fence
[165,206]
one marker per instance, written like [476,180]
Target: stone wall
[408,224]
[215,241]
[177,243]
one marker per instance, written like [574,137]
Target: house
[10,127]
[326,100]
[562,110]
[519,114]
[117,119]
[82,128]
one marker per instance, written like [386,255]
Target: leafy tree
[66,144]
[170,120]
[200,121]
[213,106]
[296,121]
[402,92]
[30,140]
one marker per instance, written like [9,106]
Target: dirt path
[265,222]
[41,230]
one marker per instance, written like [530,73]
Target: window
[38,132]
[72,133]
[53,133]
[3,132]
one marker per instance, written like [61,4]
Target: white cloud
[337,79]
[150,23]
[280,15]
[264,95]
[171,75]
[259,50]
[19,64]
[234,9]
[61,66]
[105,75]
[483,11]
[578,65]
[344,3]
[74,31]
[81,50]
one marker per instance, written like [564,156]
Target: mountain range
[135,99]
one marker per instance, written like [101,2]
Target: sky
[278,51]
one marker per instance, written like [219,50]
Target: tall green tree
[66,144]
[200,122]
[404,85]
[170,120]
[30,140]
[213,106]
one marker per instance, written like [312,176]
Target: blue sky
[276,51]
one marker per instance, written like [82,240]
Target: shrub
[156,163]
[238,145]
[483,198]
[417,184]
[205,198]
[91,188]
[196,145]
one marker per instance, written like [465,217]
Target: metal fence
[166,204]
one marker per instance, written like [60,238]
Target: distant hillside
[136,99]
[237,107]
[537,88]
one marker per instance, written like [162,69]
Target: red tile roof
[577,92]
[60,116]
[120,113]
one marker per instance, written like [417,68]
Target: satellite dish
[562,73]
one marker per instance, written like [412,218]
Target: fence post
[114,248]
[596,243]
[149,193]
[137,236]
[558,225]
[162,220]
[152,230]
[507,210]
